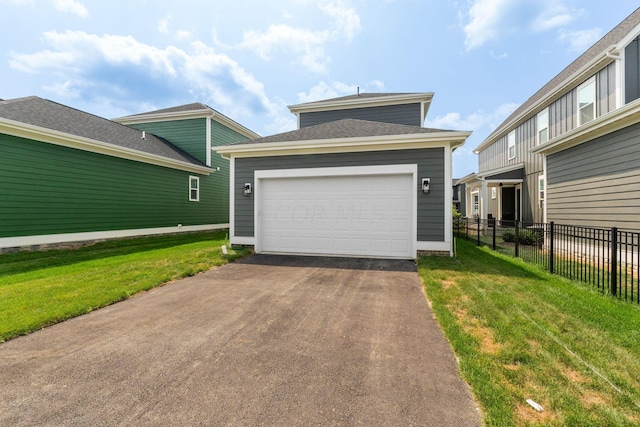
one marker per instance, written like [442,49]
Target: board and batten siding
[430,161]
[404,114]
[50,189]
[597,183]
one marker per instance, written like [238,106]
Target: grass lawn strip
[38,289]
[516,330]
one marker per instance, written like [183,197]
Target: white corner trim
[37,133]
[448,195]
[434,246]
[49,239]
[232,198]
[208,141]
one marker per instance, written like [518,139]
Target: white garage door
[363,215]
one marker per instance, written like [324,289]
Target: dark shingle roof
[196,106]
[51,115]
[611,38]
[345,128]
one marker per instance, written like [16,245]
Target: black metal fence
[608,259]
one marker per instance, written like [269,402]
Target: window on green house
[194,189]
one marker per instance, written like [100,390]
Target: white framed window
[543,126]
[511,144]
[194,189]
[587,101]
[541,190]
[494,192]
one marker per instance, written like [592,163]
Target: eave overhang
[605,58]
[364,102]
[186,115]
[37,133]
[342,145]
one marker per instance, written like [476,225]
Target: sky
[251,59]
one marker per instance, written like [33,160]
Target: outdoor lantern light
[425,185]
[247,188]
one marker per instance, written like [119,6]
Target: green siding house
[69,176]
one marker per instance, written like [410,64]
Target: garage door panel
[338,215]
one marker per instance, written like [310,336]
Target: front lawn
[38,289]
[521,333]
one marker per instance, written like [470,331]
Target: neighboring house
[360,177]
[571,152]
[459,197]
[69,176]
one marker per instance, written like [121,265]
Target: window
[541,190]
[511,144]
[494,192]
[543,126]
[194,189]
[587,101]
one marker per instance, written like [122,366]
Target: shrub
[525,237]
[509,235]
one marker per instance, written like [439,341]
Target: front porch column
[484,201]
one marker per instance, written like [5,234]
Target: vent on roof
[144,135]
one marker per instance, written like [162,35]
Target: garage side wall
[430,161]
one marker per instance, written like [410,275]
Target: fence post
[478,231]
[614,261]
[517,239]
[494,234]
[466,229]
[552,257]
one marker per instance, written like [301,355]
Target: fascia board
[186,115]
[584,72]
[363,102]
[501,170]
[23,130]
[603,125]
[362,144]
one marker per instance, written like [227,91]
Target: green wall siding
[49,189]
[189,135]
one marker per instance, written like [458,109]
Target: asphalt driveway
[268,340]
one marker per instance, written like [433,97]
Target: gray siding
[404,114]
[632,71]
[430,165]
[597,183]
[562,118]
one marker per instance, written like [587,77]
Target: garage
[337,211]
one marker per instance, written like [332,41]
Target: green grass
[521,333]
[38,289]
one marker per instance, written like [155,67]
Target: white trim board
[52,239]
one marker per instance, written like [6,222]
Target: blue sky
[250,59]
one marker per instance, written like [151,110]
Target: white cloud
[71,6]
[129,73]
[307,45]
[485,19]
[477,121]
[580,40]
[489,20]
[335,89]
[163,25]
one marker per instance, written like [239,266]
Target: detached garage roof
[342,134]
[43,120]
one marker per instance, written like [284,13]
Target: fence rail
[607,259]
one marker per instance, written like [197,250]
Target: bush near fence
[608,259]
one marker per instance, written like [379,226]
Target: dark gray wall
[632,71]
[430,163]
[405,114]
[597,184]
